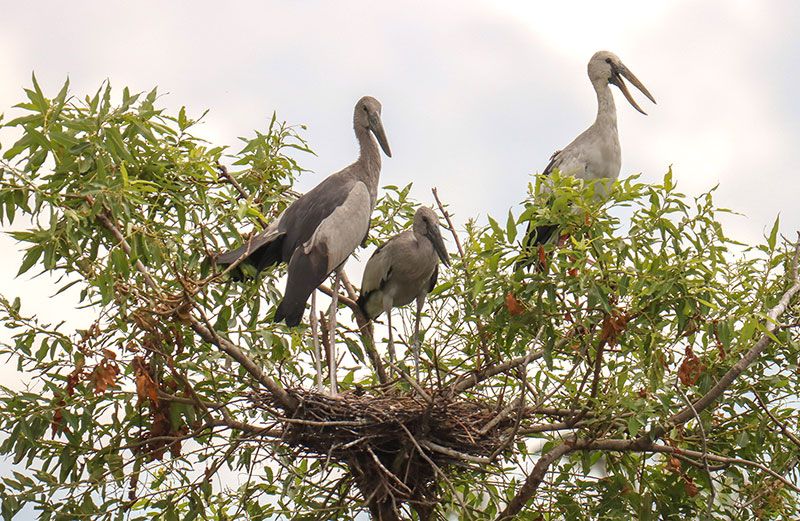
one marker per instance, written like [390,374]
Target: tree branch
[784,429]
[466,381]
[206,333]
[748,358]
[534,479]
[625,445]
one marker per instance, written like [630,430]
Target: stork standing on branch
[595,153]
[321,229]
[404,269]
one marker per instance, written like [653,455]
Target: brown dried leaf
[514,306]
[104,376]
[542,257]
[691,368]
[689,487]
[674,465]
[58,420]
[145,386]
[613,326]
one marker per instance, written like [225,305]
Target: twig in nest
[413,383]
[388,473]
[435,468]
[435,447]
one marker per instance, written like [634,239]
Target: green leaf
[773,234]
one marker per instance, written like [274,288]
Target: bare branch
[626,445]
[534,479]
[211,336]
[784,429]
[710,503]
[435,447]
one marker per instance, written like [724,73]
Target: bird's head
[426,223]
[606,67]
[368,116]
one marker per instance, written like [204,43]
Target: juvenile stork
[317,233]
[595,153]
[404,269]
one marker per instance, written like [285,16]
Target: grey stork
[595,153]
[318,232]
[402,270]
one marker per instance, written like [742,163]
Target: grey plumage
[320,230]
[404,270]
[595,153]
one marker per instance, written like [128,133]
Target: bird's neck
[606,110]
[369,157]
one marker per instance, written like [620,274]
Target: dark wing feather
[294,227]
[305,274]
[535,236]
[434,278]
[327,247]
[302,218]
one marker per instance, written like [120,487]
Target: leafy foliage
[642,306]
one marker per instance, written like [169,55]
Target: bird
[404,269]
[595,153]
[317,233]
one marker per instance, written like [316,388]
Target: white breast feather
[344,229]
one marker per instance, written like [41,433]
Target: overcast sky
[476,94]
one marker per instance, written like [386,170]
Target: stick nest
[401,438]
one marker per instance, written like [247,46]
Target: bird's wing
[549,168]
[304,216]
[294,226]
[252,245]
[343,229]
[434,278]
[334,239]
[379,266]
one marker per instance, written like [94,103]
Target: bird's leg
[332,343]
[390,347]
[315,340]
[420,302]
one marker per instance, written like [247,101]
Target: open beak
[438,244]
[621,71]
[376,127]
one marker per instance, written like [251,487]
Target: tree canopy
[649,371]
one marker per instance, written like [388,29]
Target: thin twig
[435,467]
[387,472]
[435,447]
[713,494]
[784,429]
[413,383]
[471,379]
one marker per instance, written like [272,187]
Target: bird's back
[397,273]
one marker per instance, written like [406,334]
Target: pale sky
[476,94]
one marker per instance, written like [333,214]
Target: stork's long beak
[621,71]
[376,126]
[438,243]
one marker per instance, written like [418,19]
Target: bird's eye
[365,108]
[608,61]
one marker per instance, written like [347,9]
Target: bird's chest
[412,274]
[602,158]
